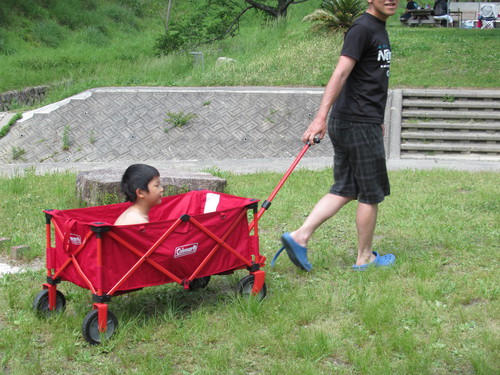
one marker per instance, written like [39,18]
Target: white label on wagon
[211,202]
[184,250]
[75,239]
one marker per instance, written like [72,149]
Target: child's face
[155,193]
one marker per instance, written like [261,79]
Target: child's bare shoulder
[131,216]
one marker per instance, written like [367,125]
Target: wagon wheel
[245,287]
[41,303]
[90,327]
[199,283]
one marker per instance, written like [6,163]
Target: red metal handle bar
[268,201]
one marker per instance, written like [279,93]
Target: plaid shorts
[359,168]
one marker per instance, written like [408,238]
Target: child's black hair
[137,176]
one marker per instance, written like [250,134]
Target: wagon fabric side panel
[180,252]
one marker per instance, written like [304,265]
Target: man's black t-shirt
[364,94]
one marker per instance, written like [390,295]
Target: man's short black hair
[137,176]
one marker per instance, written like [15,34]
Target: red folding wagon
[189,238]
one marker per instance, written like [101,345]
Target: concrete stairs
[450,124]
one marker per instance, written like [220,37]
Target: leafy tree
[197,22]
[210,20]
[336,14]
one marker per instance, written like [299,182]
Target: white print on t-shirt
[384,55]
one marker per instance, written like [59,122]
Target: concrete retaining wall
[128,124]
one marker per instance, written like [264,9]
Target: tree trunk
[269,10]
[279,11]
[282,7]
[167,17]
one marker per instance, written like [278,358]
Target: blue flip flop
[296,253]
[386,260]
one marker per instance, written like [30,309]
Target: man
[357,90]
[440,12]
[410,5]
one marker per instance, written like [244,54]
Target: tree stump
[102,186]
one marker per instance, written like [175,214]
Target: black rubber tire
[199,283]
[41,303]
[90,327]
[245,286]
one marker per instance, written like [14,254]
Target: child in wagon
[141,186]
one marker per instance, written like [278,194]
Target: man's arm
[332,91]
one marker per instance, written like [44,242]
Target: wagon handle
[267,203]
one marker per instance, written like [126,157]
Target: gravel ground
[8,265]
[5,268]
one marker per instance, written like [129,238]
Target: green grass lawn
[435,312]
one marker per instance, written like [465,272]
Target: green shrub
[6,128]
[137,6]
[4,20]
[94,36]
[48,63]
[68,13]
[208,20]
[48,32]
[18,153]
[90,4]
[169,42]
[65,138]
[121,15]
[28,8]
[178,119]
[5,46]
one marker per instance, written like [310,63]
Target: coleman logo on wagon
[184,250]
[75,239]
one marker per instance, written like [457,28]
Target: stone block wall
[28,96]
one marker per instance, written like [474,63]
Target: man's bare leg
[366,220]
[326,207]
